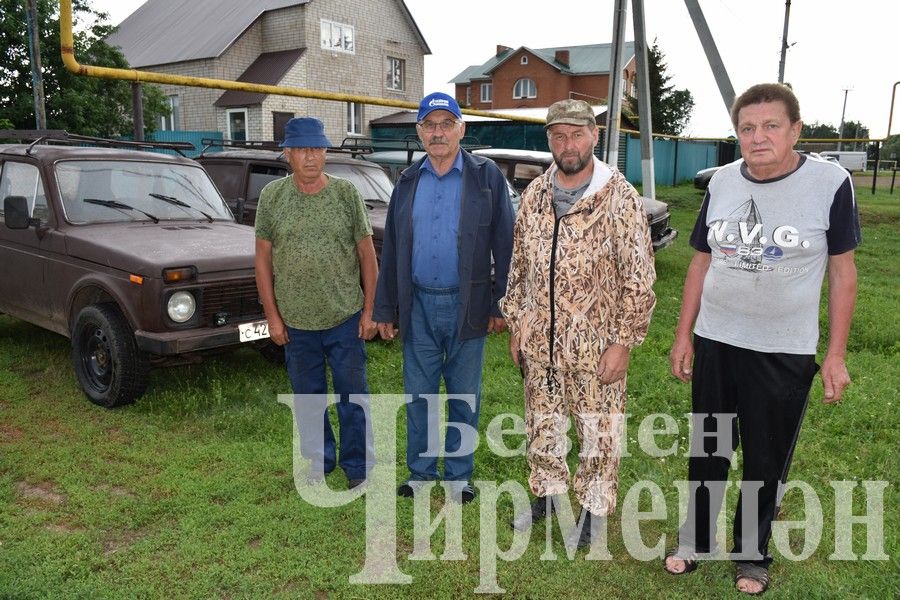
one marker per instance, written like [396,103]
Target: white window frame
[342,30]
[469,95]
[523,60]
[395,74]
[171,122]
[354,118]
[525,88]
[231,111]
[487,92]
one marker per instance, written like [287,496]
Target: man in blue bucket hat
[449,214]
[316,274]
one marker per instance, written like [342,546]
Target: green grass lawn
[189,493]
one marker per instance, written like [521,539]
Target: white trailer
[852,161]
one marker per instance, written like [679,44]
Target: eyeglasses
[430,126]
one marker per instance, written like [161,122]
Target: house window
[354,118]
[524,60]
[396,74]
[237,124]
[487,92]
[525,88]
[338,37]
[170,122]
[468,95]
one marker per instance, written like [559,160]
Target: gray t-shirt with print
[770,241]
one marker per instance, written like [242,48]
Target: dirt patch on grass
[8,433]
[63,528]
[116,541]
[116,491]
[45,493]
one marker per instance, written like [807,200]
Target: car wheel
[109,366]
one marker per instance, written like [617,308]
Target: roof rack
[239,144]
[61,136]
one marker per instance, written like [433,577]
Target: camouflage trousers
[598,411]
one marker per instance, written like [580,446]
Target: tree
[670,109]
[76,103]
[816,130]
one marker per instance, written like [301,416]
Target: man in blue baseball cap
[313,248]
[449,214]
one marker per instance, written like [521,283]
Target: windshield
[138,185]
[372,182]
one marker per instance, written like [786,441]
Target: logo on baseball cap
[438,101]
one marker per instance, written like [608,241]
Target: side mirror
[16,213]
[239,210]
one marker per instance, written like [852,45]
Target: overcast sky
[836,45]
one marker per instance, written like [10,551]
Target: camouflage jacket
[585,280]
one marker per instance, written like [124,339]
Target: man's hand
[514,348]
[681,358]
[277,331]
[614,363]
[367,327]
[496,324]
[834,378]
[387,331]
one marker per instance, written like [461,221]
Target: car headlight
[181,307]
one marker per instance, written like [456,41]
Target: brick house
[365,47]
[530,78]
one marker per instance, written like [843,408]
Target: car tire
[110,368]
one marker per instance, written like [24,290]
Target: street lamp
[841,132]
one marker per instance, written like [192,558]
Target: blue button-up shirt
[435,214]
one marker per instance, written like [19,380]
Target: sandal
[690,562]
[751,572]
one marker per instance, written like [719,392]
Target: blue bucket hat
[304,132]
[438,101]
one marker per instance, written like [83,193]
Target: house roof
[169,31]
[592,59]
[269,68]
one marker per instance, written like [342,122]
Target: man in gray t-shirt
[770,226]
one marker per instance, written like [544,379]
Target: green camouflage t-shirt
[314,259]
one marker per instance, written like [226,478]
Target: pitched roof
[592,59]
[161,32]
[170,31]
[268,68]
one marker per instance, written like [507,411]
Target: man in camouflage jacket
[579,298]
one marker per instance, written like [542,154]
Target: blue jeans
[305,355]
[432,349]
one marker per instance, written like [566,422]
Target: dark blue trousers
[306,355]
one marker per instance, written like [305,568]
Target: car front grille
[227,303]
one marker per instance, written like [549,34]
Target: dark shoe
[582,534]
[466,494]
[355,483]
[689,560]
[537,512]
[751,572]
[409,488]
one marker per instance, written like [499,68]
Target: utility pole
[34,50]
[614,89]
[712,53]
[784,40]
[648,176]
[843,112]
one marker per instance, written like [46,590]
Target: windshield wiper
[177,202]
[120,205]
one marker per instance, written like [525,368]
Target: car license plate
[253,331]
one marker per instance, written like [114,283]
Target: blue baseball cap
[304,132]
[438,101]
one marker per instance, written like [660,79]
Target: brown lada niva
[131,254]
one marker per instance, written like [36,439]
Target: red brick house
[529,78]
